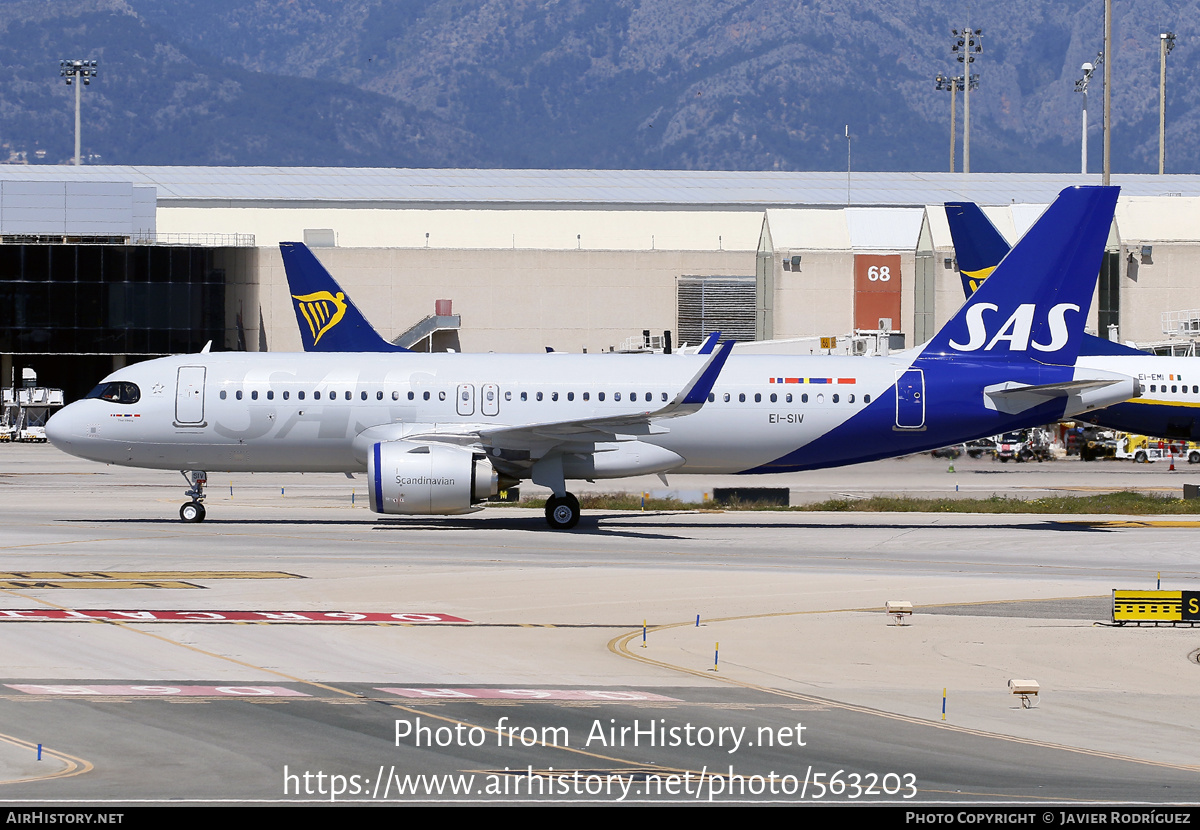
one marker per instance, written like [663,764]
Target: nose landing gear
[193,511]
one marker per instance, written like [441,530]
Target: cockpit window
[117,391]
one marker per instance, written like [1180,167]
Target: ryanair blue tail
[328,320]
[979,247]
[1034,304]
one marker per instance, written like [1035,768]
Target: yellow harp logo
[321,310]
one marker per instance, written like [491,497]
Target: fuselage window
[441,396]
[804,398]
[633,396]
[466,396]
[379,395]
[553,396]
[410,395]
[1172,387]
[524,396]
[270,394]
[238,394]
[599,396]
[1153,387]
[570,396]
[616,396]
[300,395]
[835,398]
[508,396]
[774,397]
[426,396]
[348,395]
[587,396]
[316,396]
[820,399]
[254,395]
[539,396]
[758,397]
[286,394]
[726,397]
[866,398]
[711,397]
[850,399]
[741,397]
[664,397]
[788,397]
[222,394]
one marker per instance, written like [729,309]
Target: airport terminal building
[100,266]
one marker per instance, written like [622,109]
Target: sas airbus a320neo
[440,433]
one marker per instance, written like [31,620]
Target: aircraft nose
[62,428]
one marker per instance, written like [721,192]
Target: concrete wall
[509,300]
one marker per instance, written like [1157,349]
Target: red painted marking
[526,694]
[846,380]
[51,614]
[158,690]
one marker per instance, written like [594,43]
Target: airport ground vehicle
[1023,445]
[1144,449]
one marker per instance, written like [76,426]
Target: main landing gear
[562,513]
[193,511]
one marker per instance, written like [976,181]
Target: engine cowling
[428,479]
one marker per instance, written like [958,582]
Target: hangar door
[876,290]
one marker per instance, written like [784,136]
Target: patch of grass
[1119,503]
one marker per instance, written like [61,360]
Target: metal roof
[725,189]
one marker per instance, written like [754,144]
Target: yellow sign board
[1156,606]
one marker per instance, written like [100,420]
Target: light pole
[968,43]
[1081,86]
[954,85]
[1166,42]
[72,71]
[1107,92]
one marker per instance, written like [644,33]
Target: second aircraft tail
[328,320]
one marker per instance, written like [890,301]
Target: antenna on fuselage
[207,347]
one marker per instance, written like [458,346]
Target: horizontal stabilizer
[1013,398]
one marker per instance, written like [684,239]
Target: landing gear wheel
[192,511]
[562,513]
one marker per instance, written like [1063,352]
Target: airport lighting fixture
[1081,86]
[72,71]
[954,86]
[1166,42]
[968,43]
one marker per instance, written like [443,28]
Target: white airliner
[440,433]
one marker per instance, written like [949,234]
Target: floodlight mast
[83,71]
[1166,42]
[954,85]
[1082,86]
[967,44]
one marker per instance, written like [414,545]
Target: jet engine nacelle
[427,479]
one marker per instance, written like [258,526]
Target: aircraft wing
[539,438]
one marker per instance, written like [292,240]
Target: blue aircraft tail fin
[328,320]
[978,246]
[1034,304]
